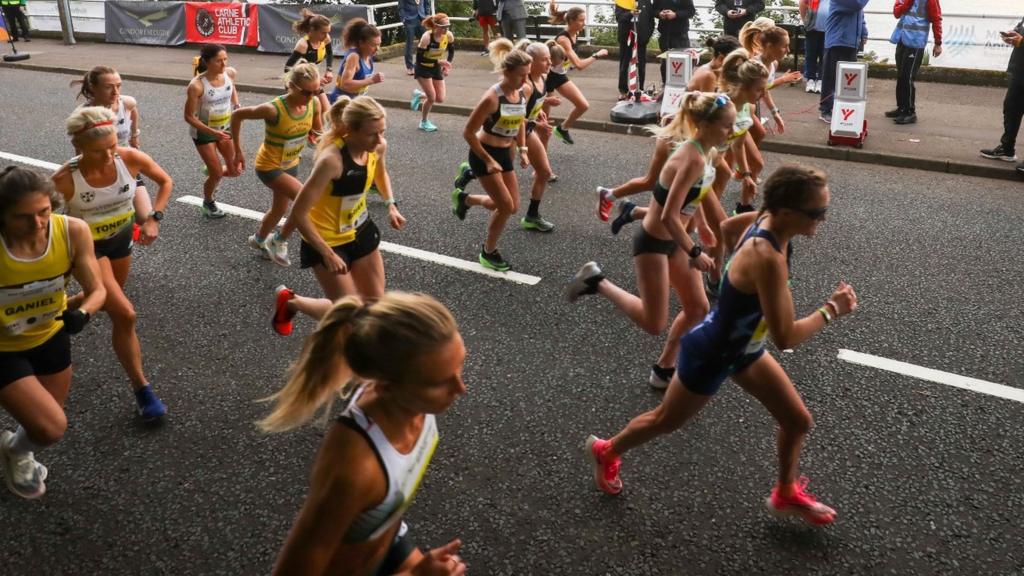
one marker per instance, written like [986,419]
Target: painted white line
[29,161]
[392,248]
[937,376]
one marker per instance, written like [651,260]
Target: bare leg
[285,188]
[690,289]
[123,337]
[36,403]
[676,408]
[214,169]
[427,86]
[650,310]
[579,103]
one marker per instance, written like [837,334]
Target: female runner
[208,106]
[755,301]
[99,187]
[39,250]
[290,122]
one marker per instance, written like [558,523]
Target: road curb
[992,171]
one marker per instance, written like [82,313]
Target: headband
[91,126]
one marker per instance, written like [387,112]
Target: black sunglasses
[815,214]
[308,93]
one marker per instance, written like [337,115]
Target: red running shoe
[282,320]
[606,466]
[605,201]
[800,504]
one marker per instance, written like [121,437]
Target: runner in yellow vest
[39,251]
[290,121]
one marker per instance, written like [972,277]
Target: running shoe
[211,211]
[459,204]
[825,117]
[150,407]
[417,99]
[910,118]
[1000,153]
[660,377]
[809,87]
[282,320]
[584,282]
[817,86]
[537,223]
[277,250]
[428,126]
[255,244]
[712,288]
[606,465]
[605,201]
[625,216]
[894,113]
[494,261]
[553,178]
[563,135]
[465,176]
[205,170]
[25,477]
[800,504]
[1020,169]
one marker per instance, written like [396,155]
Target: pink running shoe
[605,201]
[800,504]
[606,469]
[282,320]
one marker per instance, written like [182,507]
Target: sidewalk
[954,121]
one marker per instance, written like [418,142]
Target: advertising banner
[154,23]
[222,23]
[275,24]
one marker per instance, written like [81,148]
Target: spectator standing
[673,26]
[486,14]
[512,16]
[814,13]
[625,11]
[1013,104]
[736,13]
[910,38]
[17,21]
[845,34]
[412,13]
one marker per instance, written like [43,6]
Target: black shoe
[894,113]
[1020,170]
[1000,153]
[906,119]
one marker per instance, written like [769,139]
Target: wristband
[136,133]
[696,251]
[74,320]
[825,315]
[747,174]
[524,149]
[390,202]
[776,111]
[835,307]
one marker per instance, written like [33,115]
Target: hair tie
[91,126]
[360,312]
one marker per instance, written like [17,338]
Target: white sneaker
[25,477]
[809,86]
[817,86]
[259,246]
[277,250]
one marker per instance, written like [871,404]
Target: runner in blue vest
[910,38]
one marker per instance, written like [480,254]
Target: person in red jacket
[911,38]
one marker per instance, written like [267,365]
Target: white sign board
[679,69]
[848,118]
[672,99]
[851,80]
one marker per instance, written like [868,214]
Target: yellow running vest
[285,138]
[341,208]
[32,291]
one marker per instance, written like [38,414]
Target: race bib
[352,213]
[30,305]
[292,148]
[105,225]
[510,119]
[757,340]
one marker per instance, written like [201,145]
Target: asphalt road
[926,478]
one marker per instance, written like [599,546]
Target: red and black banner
[233,24]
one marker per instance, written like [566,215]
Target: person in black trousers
[624,11]
[1013,104]
[736,13]
[17,21]
[673,26]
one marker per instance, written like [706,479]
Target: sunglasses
[309,93]
[815,214]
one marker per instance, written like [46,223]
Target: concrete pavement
[955,121]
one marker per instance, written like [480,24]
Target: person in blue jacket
[412,13]
[845,34]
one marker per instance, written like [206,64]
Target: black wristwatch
[157,215]
[696,251]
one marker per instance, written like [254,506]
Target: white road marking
[931,375]
[29,161]
[392,248]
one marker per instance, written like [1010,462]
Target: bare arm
[347,82]
[192,101]
[487,105]
[265,112]
[326,168]
[577,62]
[132,107]
[140,162]
[686,175]
[233,74]
[84,267]
[770,277]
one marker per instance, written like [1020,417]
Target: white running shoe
[809,86]
[259,246]
[25,477]
[817,86]
[277,250]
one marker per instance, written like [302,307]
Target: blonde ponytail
[382,342]
[347,115]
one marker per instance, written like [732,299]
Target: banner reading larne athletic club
[222,23]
